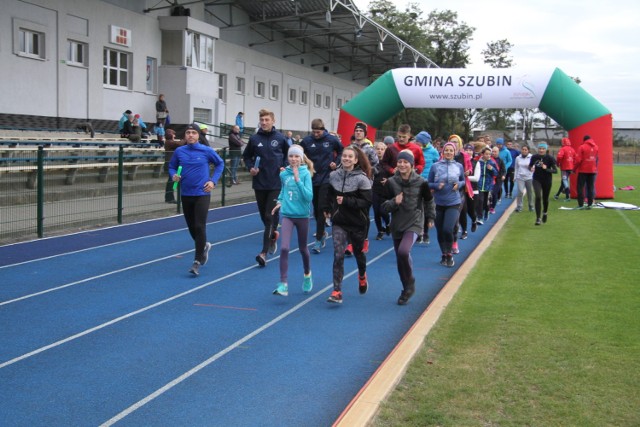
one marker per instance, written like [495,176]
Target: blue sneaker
[282,289]
[323,239]
[316,247]
[307,283]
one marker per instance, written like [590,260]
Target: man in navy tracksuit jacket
[264,155]
[195,188]
[324,150]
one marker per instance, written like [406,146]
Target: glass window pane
[113,58]
[123,78]
[113,76]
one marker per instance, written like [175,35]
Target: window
[318,101]
[202,115]
[303,97]
[222,87]
[327,101]
[240,82]
[152,79]
[293,94]
[199,51]
[76,53]
[338,103]
[275,92]
[31,43]
[116,67]
[260,89]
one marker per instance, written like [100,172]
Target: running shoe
[387,230]
[492,211]
[273,245]
[544,217]
[363,285]
[207,247]
[281,289]
[261,258]
[450,261]
[479,221]
[379,235]
[474,226]
[335,297]
[454,248]
[349,250]
[406,293]
[443,260]
[195,268]
[316,247]
[464,235]
[538,221]
[323,239]
[307,283]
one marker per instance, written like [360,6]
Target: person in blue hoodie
[483,175]
[264,156]
[431,156]
[446,178]
[293,202]
[507,158]
[195,189]
[324,150]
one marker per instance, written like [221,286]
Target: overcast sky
[597,41]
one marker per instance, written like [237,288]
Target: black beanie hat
[362,126]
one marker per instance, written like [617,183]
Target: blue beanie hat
[423,137]
[543,145]
[500,141]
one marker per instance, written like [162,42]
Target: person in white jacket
[524,178]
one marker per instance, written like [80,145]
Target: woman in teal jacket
[295,196]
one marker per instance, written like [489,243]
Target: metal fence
[49,188]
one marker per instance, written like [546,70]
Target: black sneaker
[544,217]
[443,260]
[379,235]
[195,268]
[464,235]
[387,230]
[407,293]
[261,258]
[538,221]
[450,261]
[207,248]
[474,227]
[363,284]
[273,244]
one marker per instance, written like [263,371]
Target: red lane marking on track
[225,306]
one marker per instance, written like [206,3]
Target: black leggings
[266,200]
[341,238]
[319,195]
[404,262]
[542,190]
[195,210]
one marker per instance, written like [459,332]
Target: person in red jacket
[390,157]
[565,159]
[586,165]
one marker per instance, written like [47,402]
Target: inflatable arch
[552,91]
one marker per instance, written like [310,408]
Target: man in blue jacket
[196,185]
[264,155]
[324,150]
[505,155]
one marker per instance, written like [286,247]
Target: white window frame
[274,91]
[122,71]
[338,103]
[293,95]
[260,89]
[317,100]
[240,85]
[304,97]
[327,101]
[199,51]
[31,43]
[222,87]
[77,53]
[152,75]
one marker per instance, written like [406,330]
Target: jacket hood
[565,142]
[590,142]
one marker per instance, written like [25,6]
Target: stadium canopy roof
[333,31]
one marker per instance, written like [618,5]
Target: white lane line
[131,267]
[119,242]
[628,221]
[133,313]
[221,353]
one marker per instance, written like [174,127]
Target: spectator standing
[203,138]
[348,203]
[289,138]
[195,188]
[565,159]
[587,166]
[235,151]
[410,202]
[161,110]
[543,165]
[324,150]
[240,122]
[264,155]
[293,202]
[524,178]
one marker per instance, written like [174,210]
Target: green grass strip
[545,331]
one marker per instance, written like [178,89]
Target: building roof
[335,32]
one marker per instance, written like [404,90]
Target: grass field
[545,331]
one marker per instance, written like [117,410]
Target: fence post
[224,177]
[120,184]
[40,192]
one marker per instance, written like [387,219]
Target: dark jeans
[587,180]
[234,157]
[319,196]
[196,209]
[446,219]
[266,200]
[379,216]
[509,180]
